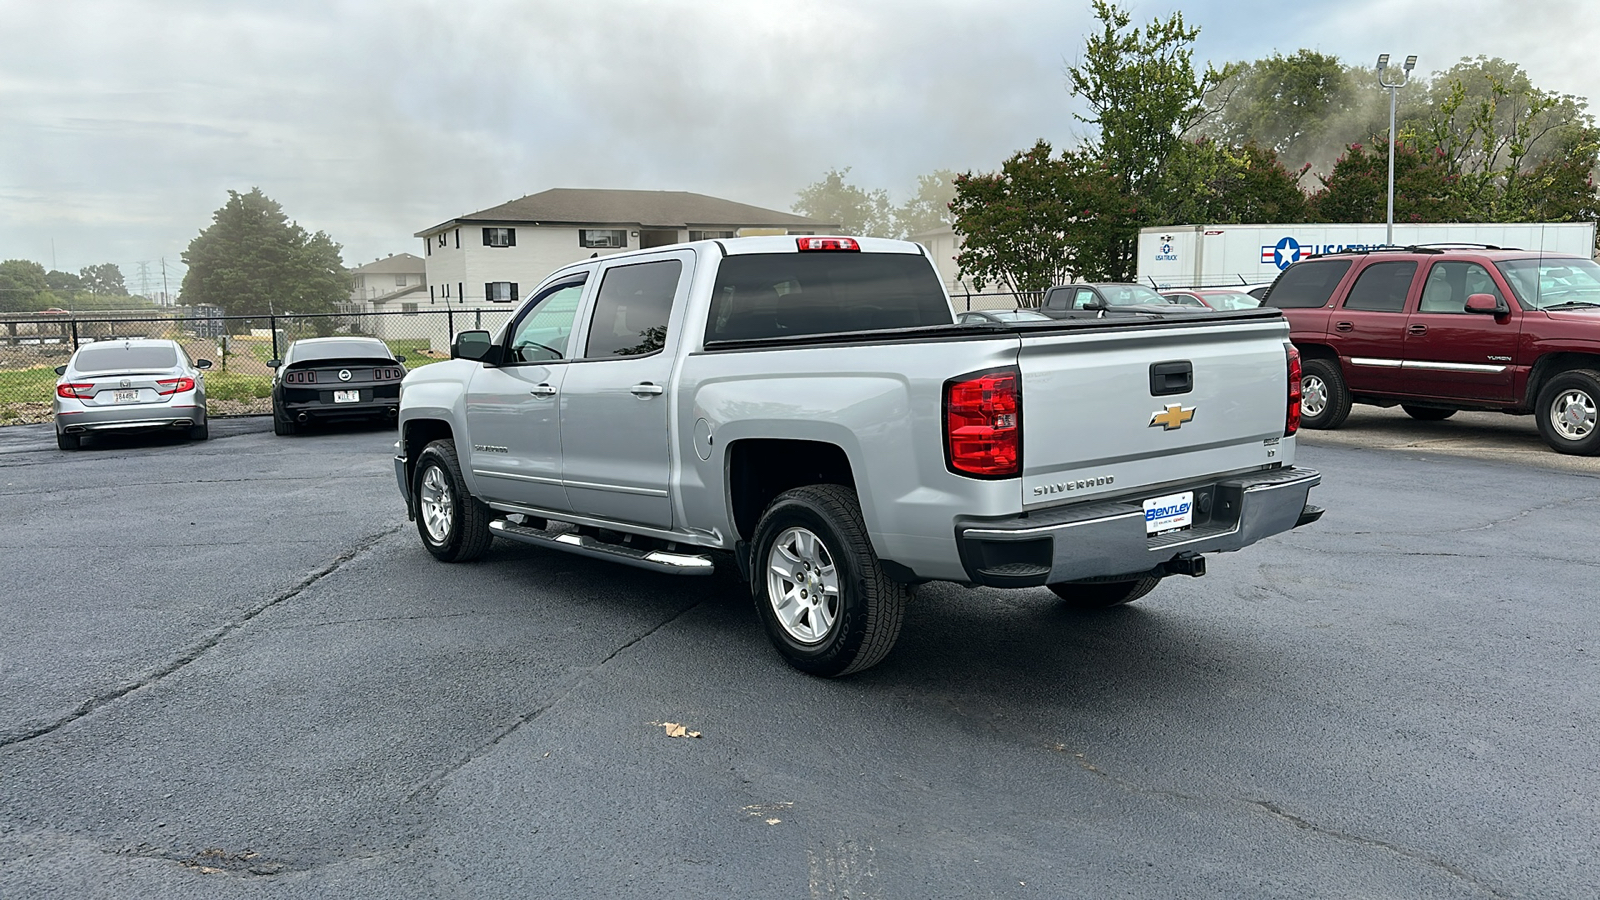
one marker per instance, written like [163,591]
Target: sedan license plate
[347,396]
[1174,512]
[126,397]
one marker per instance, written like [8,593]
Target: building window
[399,281]
[430,293]
[499,237]
[500,291]
[458,239]
[709,235]
[408,309]
[446,290]
[461,292]
[442,236]
[607,238]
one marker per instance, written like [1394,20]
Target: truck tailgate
[1095,420]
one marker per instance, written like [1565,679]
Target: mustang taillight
[165,386]
[983,424]
[75,391]
[301,376]
[1291,422]
[828,243]
[388,374]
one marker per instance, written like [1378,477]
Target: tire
[201,432]
[1325,400]
[69,441]
[1567,412]
[283,426]
[813,537]
[1427,413]
[453,524]
[1103,594]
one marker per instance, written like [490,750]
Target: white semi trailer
[1221,255]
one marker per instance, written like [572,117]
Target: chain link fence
[240,348]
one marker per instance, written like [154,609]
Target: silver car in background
[130,385]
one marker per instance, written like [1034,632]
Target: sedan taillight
[983,424]
[168,386]
[75,391]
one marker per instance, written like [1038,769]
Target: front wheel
[1324,398]
[1103,594]
[1568,412]
[822,595]
[454,525]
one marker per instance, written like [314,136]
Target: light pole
[1383,66]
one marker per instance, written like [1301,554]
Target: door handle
[542,390]
[1416,329]
[1343,326]
[645,389]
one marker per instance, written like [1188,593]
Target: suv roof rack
[1434,247]
[1466,244]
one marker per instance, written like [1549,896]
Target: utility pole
[144,278]
[166,298]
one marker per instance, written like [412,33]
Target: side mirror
[202,364]
[61,370]
[274,363]
[1487,304]
[1098,303]
[399,359]
[471,345]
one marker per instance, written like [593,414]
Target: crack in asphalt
[1281,814]
[195,651]
[1485,527]
[571,683]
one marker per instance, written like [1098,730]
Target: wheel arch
[416,434]
[759,469]
[1550,365]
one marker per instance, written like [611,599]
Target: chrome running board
[571,542]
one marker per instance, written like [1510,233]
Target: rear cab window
[1307,285]
[777,295]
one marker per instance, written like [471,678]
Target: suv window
[1307,285]
[1382,287]
[1449,285]
[542,332]
[768,295]
[630,315]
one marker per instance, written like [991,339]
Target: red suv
[1437,329]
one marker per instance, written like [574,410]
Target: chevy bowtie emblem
[1171,418]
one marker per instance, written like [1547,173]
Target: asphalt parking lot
[229,670]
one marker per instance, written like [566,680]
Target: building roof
[647,209]
[394,264]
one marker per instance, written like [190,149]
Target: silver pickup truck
[809,406]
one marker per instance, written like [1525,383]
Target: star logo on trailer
[1164,252]
[1282,253]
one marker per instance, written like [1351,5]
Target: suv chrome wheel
[436,505]
[1573,414]
[1313,395]
[803,585]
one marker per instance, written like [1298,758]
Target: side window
[541,334]
[1083,298]
[1306,285]
[1449,285]
[1382,287]
[630,315]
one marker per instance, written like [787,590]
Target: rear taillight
[1291,422]
[166,386]
[388,374]
[818,243]
[303,376]
[75,391]
[983,424]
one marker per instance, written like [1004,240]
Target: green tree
[857,211]
[1216,183]
[64,282]
[1357,189]
[253,260]
[22,282]
[1283,103]
[929,208]
[104,280]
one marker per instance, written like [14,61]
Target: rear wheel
[200,432]
[1427,413]
[1102,594]
[1324,398]
[1568,412]
[282,425]
[68,441]
[826,603]
[454,525]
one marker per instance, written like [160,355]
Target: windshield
[1552,283]
[1130,295]
[1232,301]
[126,358]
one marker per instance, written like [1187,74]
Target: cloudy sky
[123,123]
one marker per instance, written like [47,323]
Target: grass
[233,386]
[37,383]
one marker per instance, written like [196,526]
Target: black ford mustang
[335,378]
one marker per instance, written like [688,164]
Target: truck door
[616,457]
[1369,328]
[512,417]
[1452,353]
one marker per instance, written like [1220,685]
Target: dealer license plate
[126,397]
[1173,512]
[347,396]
